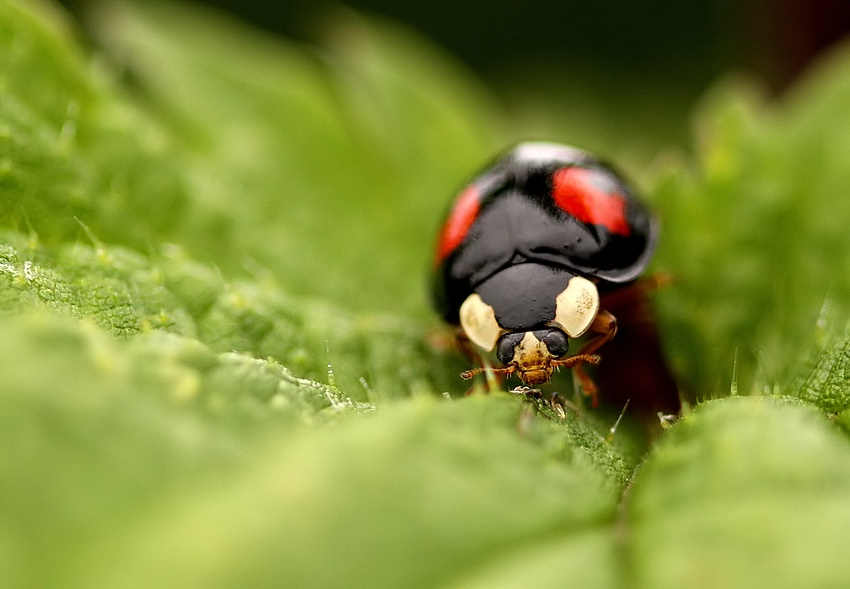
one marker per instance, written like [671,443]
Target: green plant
[215,365]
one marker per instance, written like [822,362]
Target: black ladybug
[528,252]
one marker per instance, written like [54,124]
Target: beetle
[530,251]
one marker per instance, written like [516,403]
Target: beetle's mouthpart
[541,374]
[535,375]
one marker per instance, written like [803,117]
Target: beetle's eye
[557,342]
[505,346]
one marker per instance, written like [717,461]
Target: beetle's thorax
[533,360]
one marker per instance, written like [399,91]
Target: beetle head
[533,351]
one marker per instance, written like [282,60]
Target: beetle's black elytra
[526,250]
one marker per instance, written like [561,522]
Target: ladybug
[529,252]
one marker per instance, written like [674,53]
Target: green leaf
[330,168]
[376,503]
[755,234]
[218,367]
[71,148]
[744,492]
[109,484]
[588,559]
[825,381]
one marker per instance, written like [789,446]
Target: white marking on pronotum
[478,321]
[577,306]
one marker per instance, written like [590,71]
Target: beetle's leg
[656,281]
[466,347]
[468,350]
[575,362]
[604,327]
[558,405]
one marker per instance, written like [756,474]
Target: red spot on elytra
[463,215]
[575,192]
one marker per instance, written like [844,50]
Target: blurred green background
[589,56]
[218,366]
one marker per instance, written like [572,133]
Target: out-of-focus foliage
[348,157]
[756,234]
[744,492]
[158,461]
[218,367]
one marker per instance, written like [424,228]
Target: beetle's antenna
[577,359]
[507,370]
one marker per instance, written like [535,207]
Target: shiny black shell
[540,215]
